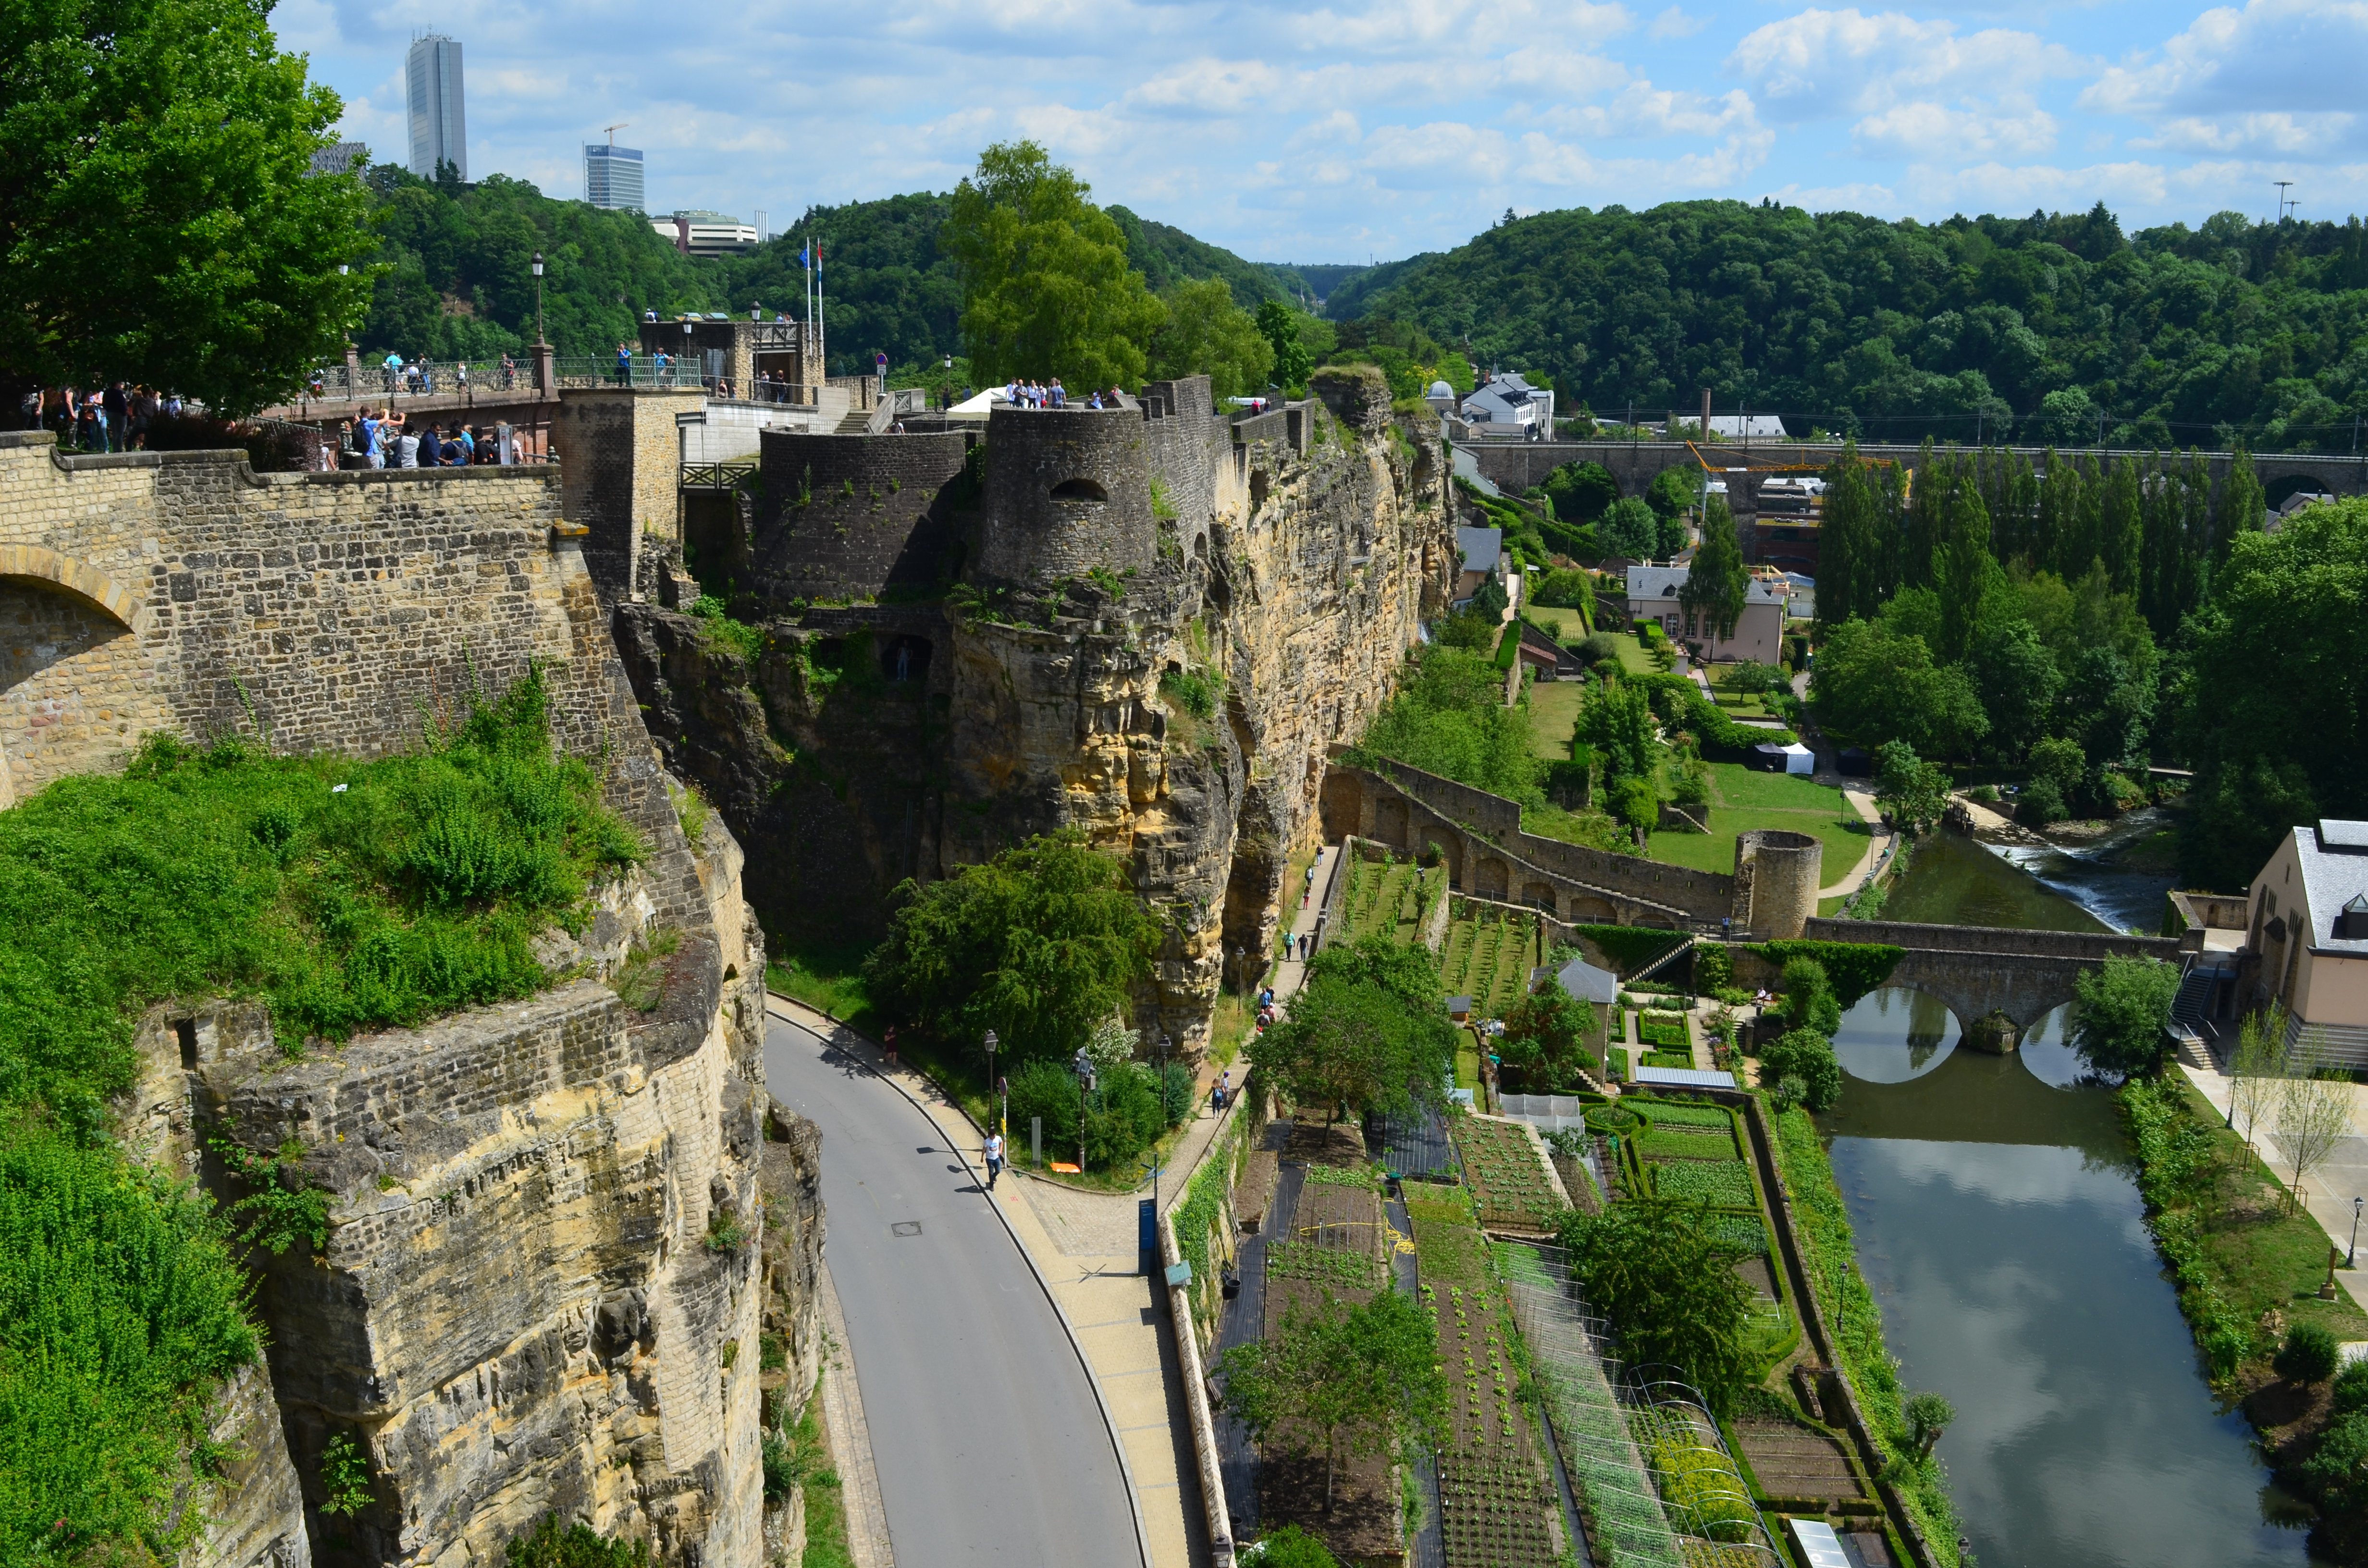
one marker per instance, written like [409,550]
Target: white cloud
[1821,63]
[1929,130]
[1675,23]
[2296,54]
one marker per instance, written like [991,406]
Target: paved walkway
[1863,805]
[851,1440]
[1289,974]
[1083,1247]
[2329,1193]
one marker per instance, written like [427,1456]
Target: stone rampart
[620,461]
[857,516]
[1068,492]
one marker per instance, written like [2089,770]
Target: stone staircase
[2187,1019]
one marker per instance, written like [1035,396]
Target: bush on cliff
[347,896]
[1040,945]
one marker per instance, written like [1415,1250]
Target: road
[989,1443]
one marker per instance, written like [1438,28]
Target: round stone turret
[1782,873]
[1067,489]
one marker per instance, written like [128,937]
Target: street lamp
[2353,1251]
[1085,1066]
[538,297]
[990,1068]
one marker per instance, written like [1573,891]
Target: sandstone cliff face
[1279,603]
[547,1263]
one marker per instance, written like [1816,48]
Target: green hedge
[1631,948]
[1855,967]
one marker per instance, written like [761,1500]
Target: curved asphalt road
[990,1446]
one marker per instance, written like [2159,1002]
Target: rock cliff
[1170,618]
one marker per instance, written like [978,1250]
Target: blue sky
[1333,132]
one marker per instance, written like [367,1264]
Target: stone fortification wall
[620,462]
[181,591]
[1068,490]
[1287,586]
[516,1309]
[856,517]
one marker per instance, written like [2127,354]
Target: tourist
[1094,401]
[366,439]
[888,1043]
[994,1158]
[509,372]
[118,407]
[625,360]
[1060,396]
[30,406]
[461,375]
[407,448]
[468,443]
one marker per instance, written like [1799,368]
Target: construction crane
[612,131]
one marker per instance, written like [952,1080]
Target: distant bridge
[1978,971]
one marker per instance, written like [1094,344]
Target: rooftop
[1663,583]
[1482,547]
[2334,856]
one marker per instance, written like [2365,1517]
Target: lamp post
[1085,1066]
[990,1069]
[537,296]
[2353,1250]
[686,348]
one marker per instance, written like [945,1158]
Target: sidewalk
[1289,973]
[1082,1245]
[1863,805]
[2329,1193]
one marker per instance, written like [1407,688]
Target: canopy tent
[977,407]
[1795,758]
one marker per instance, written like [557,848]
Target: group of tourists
[1053,394]
[115,419]
[385,439]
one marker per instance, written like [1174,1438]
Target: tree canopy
[1041,944]
[1666,1285]
[1341,1378]
[1355,1042]
[2124,1005]
[162,222]
[2056,328]
[1047,290]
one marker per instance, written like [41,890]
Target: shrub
[1049,1090]
[2118,1027]
[2042,804]
[577,1546]
[1852,968]
[1663,1280]
[1289,1547]
[1594,649]
[1176,1093]
[2349,1393]
[1808,1056]
[1809,999]
[2337,1474]
[2309,1355]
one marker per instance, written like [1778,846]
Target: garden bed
[1511,1187]
[1488,957]
[1496,1510]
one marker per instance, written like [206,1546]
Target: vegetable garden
[1388,898]
[1508,1181]
[1488,957]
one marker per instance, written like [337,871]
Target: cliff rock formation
[1148,622]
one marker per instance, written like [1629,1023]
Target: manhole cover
[906,1228]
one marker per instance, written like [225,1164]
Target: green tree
[1046,287]
[1292,363]
[2270,697]
[1914,792]
[1929,1415]
[1806,1057]
[1041,944]
[162,220]
[1629,529]
[1207,334]
[2016,681]
[1809,999]
[1874,684]
[1717,585]
[577,1546]
[1666,1286]
[1581,492]
[1617,724]
[1449,717]
[1347,1380]
[2118,1027]
[1409,973]
[1545,1041]
[1351,1043]
[2239,509]
[1290,1547]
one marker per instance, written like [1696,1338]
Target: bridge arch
[47,568]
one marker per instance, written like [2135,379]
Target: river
[2003,1234]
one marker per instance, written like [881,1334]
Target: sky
[1362,130]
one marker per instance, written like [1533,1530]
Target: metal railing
[725,475]
[425,378]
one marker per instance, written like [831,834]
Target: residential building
[612,178]
[2307,928]
[1746,426]
[439,127]
[1508,405]
[707,233]
[1484,557]
[1758,632]
[341,158]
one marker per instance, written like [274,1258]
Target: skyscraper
[613,177]
[440,131]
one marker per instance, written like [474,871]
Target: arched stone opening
[38,567]
[1080,490]
[1439,848]
[1390,823]
[1586,909]
[1538,895]
[1491,878]
[904,657]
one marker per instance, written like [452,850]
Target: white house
[1508,405]
[2308,924]
[1758,632]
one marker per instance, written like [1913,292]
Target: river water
[2001,1232]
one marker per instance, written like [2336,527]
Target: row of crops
[1488,957]
[1389,898]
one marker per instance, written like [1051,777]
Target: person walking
[994,1158]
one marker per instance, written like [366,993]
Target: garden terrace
[1488,956]
[1498,1507]
[1388,898]
[1512,1189]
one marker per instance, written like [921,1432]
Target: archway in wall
[1441,849]
[1588,910]
[1390,823]
[54,612]
[1490,878]
[1538,895]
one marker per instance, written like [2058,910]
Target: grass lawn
[1743,800]
[1634,658]
[1553,710]
[1563,625]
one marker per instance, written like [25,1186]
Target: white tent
[977,407]
[1793,758]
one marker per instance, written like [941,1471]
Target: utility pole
[2284,185]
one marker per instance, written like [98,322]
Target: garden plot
[1497,1507]
[1333,1246]
[1388,898]
[1488,958]
[1510,1186]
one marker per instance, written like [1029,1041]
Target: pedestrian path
[1082,1246]
[2329,1193]
[1289,973]
[1859,875]
[851,1440]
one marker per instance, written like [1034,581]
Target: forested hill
[2234,331]
[460,284]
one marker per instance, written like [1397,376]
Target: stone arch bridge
[1986,972]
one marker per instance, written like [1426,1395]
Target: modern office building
[340,158]
[440,131]
[707,233]
[613,177]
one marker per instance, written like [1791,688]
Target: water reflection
[1893,1035]
[2003,1237]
